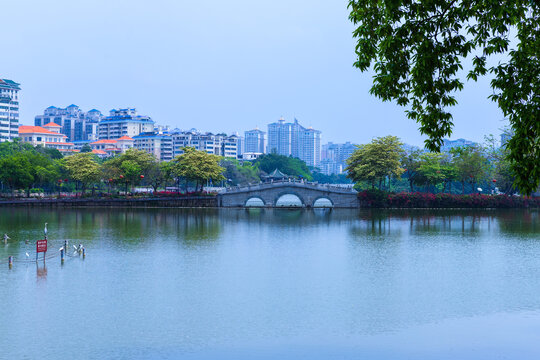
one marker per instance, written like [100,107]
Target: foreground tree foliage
[417,49]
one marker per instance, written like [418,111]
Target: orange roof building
[112,146]
[37,135]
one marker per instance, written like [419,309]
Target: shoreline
[206,202]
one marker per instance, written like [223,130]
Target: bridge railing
[302,183]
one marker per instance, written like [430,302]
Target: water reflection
[41,272]
[204,277]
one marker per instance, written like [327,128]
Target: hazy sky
[214,65]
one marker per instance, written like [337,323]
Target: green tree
[53,154]
[286,164]
[240,174]
[410,161]
[500,169]
[86,148]
[83,167]
[137,163]
[158,174]
[131,172]
[435,170]
[376,161]
[197,166]
[417,49]
[16,171]
[471,165]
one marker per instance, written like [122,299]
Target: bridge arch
[254,201]
[288,199]
[323,202]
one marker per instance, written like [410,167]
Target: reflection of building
[450,144]
[46,136]
[334,157]
[9,109]
[124,122]
[76,124]
[292,139]
[217,144]
[254,141]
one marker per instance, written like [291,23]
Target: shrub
[376,198]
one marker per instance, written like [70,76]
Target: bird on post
[45,230]
[6,238]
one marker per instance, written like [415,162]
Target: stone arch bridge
[289,194]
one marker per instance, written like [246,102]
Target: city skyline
[184,72]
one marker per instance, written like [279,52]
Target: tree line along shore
[383,173]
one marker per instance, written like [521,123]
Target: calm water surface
[273,284]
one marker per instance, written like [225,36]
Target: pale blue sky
[215,65]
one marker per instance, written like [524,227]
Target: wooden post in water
[10,261]
[62,256]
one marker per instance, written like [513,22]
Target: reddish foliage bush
[375,198]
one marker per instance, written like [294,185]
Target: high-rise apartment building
[124,122]
[334,157]
[159,145]
[217,144]
[292,139]
[9,110]
[255,141]
[309,146]
[76,124]
[280,138]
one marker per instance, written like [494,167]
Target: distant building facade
[450,144]
[124,122]
[9,109]
[76,124]
[334,157]
[255,141]
[217,144]
[111,147]
[47,136]
[159,145]
[292,139]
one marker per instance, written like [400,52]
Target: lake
[272,284]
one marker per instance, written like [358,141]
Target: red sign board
[41,246]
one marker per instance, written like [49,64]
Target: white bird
[75,247]
[62,248]
[45,230]
[6,238]
[27,255]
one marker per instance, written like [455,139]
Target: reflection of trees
[388,222]
[136,227]
[128,227]
[520,222]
